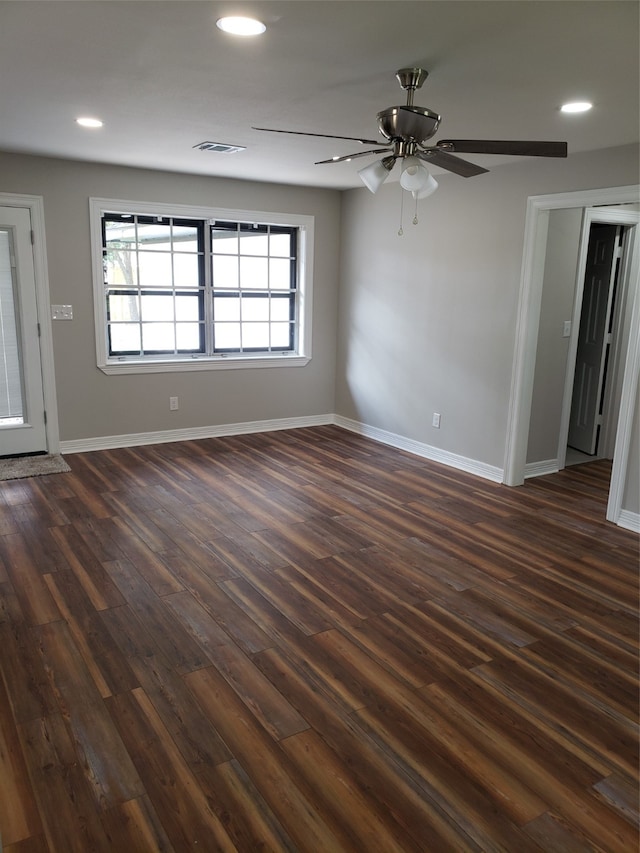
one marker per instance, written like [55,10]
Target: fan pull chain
[415,215]
[400,231]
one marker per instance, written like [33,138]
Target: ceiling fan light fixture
[375,174]
[414,175]
[241,26]
[430,187]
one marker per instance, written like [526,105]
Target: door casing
[35,204]
[528,319]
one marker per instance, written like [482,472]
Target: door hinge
[39,331]
[44,414]
[33,238]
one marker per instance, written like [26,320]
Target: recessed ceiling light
[241,26]
[89,122]
[576,107]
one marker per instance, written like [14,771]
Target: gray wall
[92,404]
[558,291]
[427,320]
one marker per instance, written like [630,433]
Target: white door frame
[35,205]
[628,267]
[528,320]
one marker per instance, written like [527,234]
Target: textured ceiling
[164,78]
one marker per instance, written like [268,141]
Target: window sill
[114,368]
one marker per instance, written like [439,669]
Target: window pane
[155,269]
[187,307]
[124,337]
[280,335]
[120,267]
[185,238]
[280,274]
[254,273]
[226,308]
[280,309]
[255,309]
[255,335]
[120,234]
[154,236]
[156,307]
[280,245]
[225,272]
[227,335]
[254,243]
[186,270]
[123,306]
[156,290]
[158,336]
[188,336]
[224,242]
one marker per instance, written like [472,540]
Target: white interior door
[585,415]
[22,410]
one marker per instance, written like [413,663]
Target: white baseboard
[110,442]
[629,520]
[626,519]
[539,469]
[426,451]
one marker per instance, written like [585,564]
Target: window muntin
[154,285]
[120,284]
[254,286]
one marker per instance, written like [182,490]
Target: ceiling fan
[407,130]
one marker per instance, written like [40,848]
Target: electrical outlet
[435,421]
[173,404]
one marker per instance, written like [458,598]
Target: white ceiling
[164,78]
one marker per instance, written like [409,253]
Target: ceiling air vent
[219,147]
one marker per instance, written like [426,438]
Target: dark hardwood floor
[307,641]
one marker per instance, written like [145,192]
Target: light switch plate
[62,312]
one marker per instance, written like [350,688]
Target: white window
[179,288]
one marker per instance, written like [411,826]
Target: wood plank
[173,790]
[167,633]
[28,689]
[265,761]
[306,640]
[220,606]
[100,752]
[135,826]
[19,818]
[102,657]
[65,801]
[87,568]
[414,819]
[35,599]
[242,810]
[194,735]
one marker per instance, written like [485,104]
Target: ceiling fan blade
[504,146]
[352,156]
[450,163]
[323,135]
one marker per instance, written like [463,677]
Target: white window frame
[223,361]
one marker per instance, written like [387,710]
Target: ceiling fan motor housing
[415,123]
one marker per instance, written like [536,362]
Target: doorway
[28,411]
[593,411]
[600,336]
[536,227]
